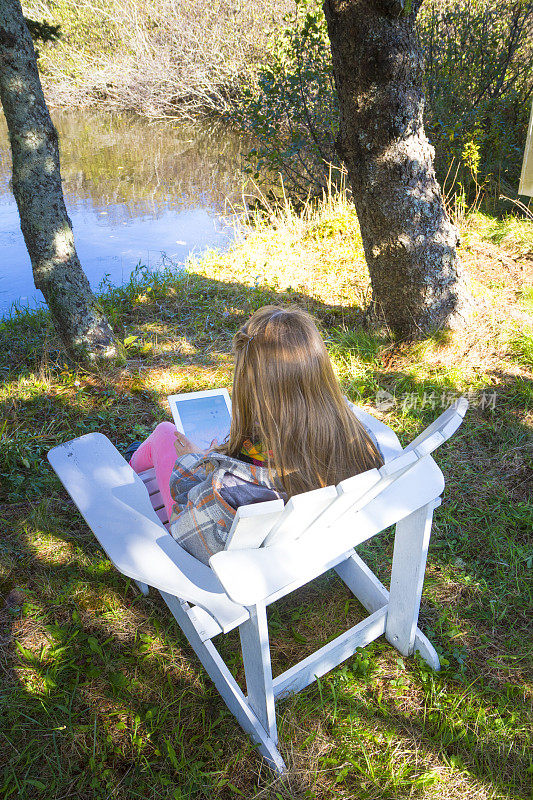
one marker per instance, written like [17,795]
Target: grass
[101,695]
[521,341]
[513,232]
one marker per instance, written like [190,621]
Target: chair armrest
[115,504]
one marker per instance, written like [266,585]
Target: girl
[291,431]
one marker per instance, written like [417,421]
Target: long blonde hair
[286,395]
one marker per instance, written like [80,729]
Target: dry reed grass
[156,57]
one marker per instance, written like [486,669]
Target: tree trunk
[409,242]
[45,225]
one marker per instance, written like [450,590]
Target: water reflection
[135,191]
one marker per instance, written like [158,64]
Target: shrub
[291,107]
[477,82]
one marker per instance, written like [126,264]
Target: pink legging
[159,452]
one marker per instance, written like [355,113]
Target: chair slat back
[300,512]
[413,483]
[348,493]
[268,573]
[356,492]
[267,524]
[441,429]
[252,524]
[383,436]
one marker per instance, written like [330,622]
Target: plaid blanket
[207,491]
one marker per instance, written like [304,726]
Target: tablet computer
[202,416]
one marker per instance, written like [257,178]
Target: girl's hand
[184,445]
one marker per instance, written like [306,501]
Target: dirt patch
[490,265]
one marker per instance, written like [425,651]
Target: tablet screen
[204,419]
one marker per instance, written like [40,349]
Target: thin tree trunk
[45,225]
[409,242]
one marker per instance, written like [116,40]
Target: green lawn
[101,695]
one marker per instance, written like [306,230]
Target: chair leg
[408,566]
[371,593]
[362,582]
[227,686]
[257,668]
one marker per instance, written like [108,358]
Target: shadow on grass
[104,698]
[106,685]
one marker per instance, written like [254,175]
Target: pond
[136,191]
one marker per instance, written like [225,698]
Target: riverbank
[137,192]
[103,697]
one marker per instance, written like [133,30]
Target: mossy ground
[102,696]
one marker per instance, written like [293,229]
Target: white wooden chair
[272,550]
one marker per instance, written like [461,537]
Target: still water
[136,191]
